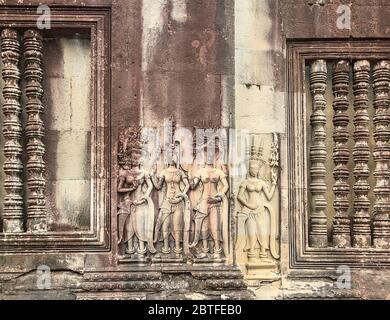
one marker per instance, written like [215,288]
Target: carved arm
[225,187]
[241,198]
[194,183]
[158,182]
[269,192]
[150,187]
[186,185]
[122,189]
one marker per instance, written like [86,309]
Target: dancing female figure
[260,220]
[136,208]
[211,211]
[174,216]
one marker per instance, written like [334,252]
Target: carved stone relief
[12,109]
[174,212]
[257,245]
[13,128]
[136,208]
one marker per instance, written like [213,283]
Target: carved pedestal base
[147,283]
[136,260]
[261,270]
[218,261]
[167,259]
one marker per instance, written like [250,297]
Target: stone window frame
[300,255]
[98,21]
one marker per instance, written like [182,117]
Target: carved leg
[166,249]
[178,225]
[214,230]
[142,249]
[205,236]
[130,246]
[251,237]
[178,248]
[263,253]
[199,218]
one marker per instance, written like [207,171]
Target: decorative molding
[13,218]
[35,130]
[318,154]
[381,85]
[341,154]
[361,236]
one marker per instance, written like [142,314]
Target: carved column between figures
[361,155]
[381,84]
[318,220]
[36,215]
[12,131]
[342,222]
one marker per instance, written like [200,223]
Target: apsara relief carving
[258,211]
[172,213]
[136,208]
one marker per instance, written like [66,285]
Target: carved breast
[211,175]
[172,176]
[254,186]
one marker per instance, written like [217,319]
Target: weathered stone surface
[202,64]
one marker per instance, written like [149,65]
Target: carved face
[136,158]
[254,168]
[172,157]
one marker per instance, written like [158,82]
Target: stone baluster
[13,217]
[36,213]
[318,221]
[342,221]
[361,155]
[381,84]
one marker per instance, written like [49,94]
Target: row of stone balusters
[358,231]
[14,206]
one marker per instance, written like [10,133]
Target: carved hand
[214,200]
[251,207]
[140,201]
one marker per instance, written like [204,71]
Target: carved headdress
[214,147]
[130,140]
[172,146]
[255,153]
